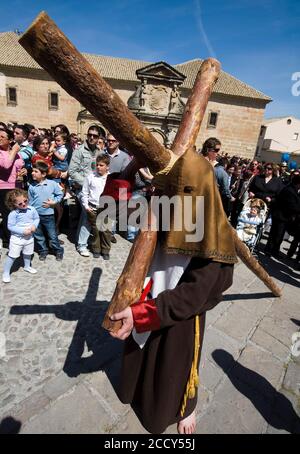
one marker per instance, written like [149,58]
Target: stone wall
[238,125]
[33,88]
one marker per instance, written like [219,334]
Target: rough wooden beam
[196,105]
[130,284]
[247,258]
[45,42]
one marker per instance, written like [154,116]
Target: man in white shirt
[92,189]
[82,163]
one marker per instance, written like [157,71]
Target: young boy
[92,189]
[43,195]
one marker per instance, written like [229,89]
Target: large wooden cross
[56,54]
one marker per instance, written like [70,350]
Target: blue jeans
[47,225]
[132,231]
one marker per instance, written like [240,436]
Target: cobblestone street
[59,368]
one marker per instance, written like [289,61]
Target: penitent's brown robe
[153,379]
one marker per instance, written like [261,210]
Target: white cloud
[200,25]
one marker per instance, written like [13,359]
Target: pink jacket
[9,170]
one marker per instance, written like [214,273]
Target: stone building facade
[279,136]
[155,92]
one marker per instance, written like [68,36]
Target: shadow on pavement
[10,425]
[247,296]
[280,269]
[274,407]
[105,351]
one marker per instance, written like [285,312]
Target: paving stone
[129,424]
[280,328]
[243,277]
[257,306]
[291,381]
[101,384]
[215,339]
[260,370]
[231,412]
[270,343]
[29,407]
[238,286]
[291,292]
[213,315]
[210,375]
[237,323]
[76,413]
[274,406]
[59,385]
[286,307]
[258,286]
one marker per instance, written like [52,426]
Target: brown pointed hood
[193,176]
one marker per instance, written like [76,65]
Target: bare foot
[187,425]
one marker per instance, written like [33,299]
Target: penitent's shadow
[101,349]
[274,407]
[9,425]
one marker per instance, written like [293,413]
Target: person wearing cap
[283,173]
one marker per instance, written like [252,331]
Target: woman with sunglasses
[11,168]
[266,186]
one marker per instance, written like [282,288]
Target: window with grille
[11,94]
[212,120]
[53,100]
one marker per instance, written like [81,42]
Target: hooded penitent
[192,177]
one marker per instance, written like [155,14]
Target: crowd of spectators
[240,179]
[54,166]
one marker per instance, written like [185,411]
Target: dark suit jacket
[287,204]
[261,189]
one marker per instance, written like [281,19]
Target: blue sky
[256,41]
